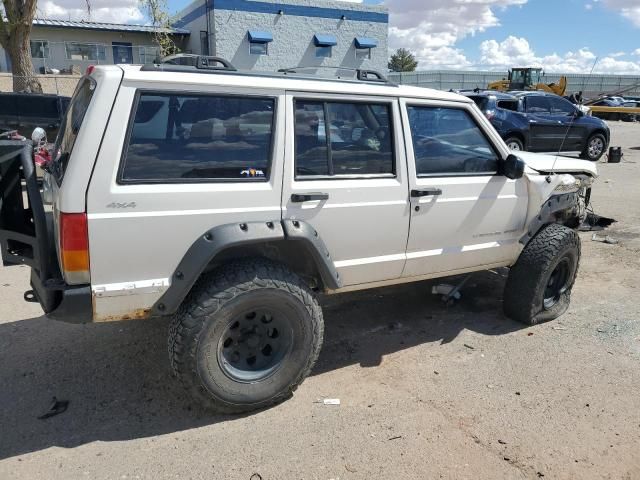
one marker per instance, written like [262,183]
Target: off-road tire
[517,141]
[529,277]
[586,153]
[196,329]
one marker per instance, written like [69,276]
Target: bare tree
[15,30]
[16,20]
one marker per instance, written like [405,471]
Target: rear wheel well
[294,255]
[517,135]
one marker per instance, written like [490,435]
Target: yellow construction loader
[528,79]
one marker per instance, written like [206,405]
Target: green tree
[403,61]
[16,20]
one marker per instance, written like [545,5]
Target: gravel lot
[426,391]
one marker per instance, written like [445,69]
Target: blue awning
[324,40]
[365,42]
[256,36]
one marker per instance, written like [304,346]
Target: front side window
[39,49]
[177,138]
[341,138]
[560,106]
[537,104]
[85,51]
[448,141]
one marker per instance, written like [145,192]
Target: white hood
[556,163]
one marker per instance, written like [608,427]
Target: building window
[85,51]
[323,52]
[148,54]
[39,49]
[259,41]
[258,48]
[363,53]
[204,42]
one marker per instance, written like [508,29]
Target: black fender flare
[547,215]
[212,242]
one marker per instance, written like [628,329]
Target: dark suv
[543,122]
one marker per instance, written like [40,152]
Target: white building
[269,35]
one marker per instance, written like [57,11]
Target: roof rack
[189,62]
[363,75]
[201,62]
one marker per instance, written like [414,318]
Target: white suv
[230,200]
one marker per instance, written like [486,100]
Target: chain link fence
[590,85]
[58,84]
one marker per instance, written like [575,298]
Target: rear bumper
[67,303]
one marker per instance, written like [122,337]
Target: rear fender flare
[216,240]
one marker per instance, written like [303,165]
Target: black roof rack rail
[363,75]
[190,60]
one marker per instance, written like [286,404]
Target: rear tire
[539,285]
[514,143]
[594,148]
[246,336]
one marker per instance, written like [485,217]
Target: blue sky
[560,35]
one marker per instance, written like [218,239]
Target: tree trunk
[19,51]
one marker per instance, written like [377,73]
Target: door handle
[307,197]
[426,192]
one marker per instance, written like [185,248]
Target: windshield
[71,126]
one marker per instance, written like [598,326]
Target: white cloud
[636,51]
[517,52]
[627,8]
[431,28]
[112,11]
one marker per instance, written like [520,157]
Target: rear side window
[481,102]
[448,141]
[70,126]
[508,105]
[177,138]
[342,138]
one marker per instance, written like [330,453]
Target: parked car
[25,111]
[630,117]
[543,122]
[254,194]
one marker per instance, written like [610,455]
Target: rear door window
[447,141]
[177,138]
[343,139]
[70,127]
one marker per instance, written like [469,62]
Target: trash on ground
[56,408]
[469,346]
[331,401]
[395,438]
[502,442]
[445,290]
[559,327]
[607,239]
[595,222]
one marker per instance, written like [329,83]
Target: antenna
[566,134]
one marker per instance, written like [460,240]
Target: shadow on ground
[117,379]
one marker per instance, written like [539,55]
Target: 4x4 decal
[122,205]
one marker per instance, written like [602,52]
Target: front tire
[539,285]
[595,147]
[246,336]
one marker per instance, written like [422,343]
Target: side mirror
[513,167]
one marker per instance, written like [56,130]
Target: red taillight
[90,69]
[74,247]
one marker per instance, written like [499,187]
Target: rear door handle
[426,192]
[307,197]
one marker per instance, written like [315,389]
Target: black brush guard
[26,237]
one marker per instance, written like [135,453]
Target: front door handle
[307,197]
[426,192]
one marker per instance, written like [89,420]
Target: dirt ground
[426,391]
